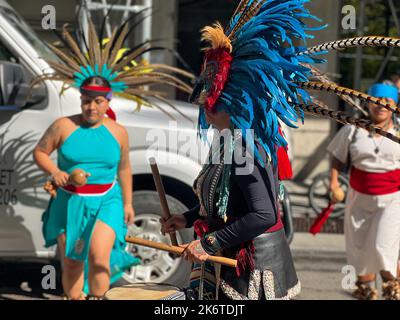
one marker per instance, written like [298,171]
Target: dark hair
[99,81]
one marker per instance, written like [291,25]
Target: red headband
[95,91]
[96,88]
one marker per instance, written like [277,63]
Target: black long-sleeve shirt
[252,205]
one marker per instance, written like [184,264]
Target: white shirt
[362,150]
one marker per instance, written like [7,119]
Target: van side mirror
[14,87]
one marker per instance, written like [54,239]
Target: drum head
[143,292]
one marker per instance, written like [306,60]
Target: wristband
[210,243]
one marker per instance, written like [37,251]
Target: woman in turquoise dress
[89,223]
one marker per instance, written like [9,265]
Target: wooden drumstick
[178,250]
[161,193]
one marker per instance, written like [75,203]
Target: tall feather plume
[343,91]
[173,107]
[247,15]
[137,23]
[130,80]
[321,77]
[154,78]
[117,46]
[80,35]
[103,23]
[369,41]
[141,94]
[237,14]
[343,118]
[48,76]
[61,39]
[94,45]
[132,56]
[61,69]
[64,88]
[124,30]
[264,69]
[74,46]
[155,67]
[107,48]
[69,61]
[240,8]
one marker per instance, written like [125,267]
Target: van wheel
[157,266]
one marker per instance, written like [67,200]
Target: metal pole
[359,53]
[395,16]
[146,33]
[391,50]
[126,13]
[108,26]
[383,65]
[147,26]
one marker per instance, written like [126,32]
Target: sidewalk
[305,244]
[319,261]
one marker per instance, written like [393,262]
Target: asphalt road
[320,277]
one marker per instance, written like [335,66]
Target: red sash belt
[375,183]
[89,188]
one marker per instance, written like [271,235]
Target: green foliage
[378,20]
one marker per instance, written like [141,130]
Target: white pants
[372,230]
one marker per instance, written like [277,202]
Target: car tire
[148,212]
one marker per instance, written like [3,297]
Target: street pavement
[319,262]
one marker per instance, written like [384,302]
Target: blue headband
[384,91]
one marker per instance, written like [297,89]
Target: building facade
[177,23]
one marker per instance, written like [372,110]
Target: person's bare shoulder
[64,126]
[118,130]
[54,135]
[58,126]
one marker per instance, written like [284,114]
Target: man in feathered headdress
[247,85]
[255,75]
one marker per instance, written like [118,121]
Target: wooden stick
[161,193]
[178,250]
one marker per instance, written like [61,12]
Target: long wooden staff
[178,250]
[161,193]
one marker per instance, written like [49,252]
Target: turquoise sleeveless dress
[97,152]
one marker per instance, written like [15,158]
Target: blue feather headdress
[128,74]
[252,67]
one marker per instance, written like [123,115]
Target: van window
[7,56]
[26,31]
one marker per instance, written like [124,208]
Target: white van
[22,198]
